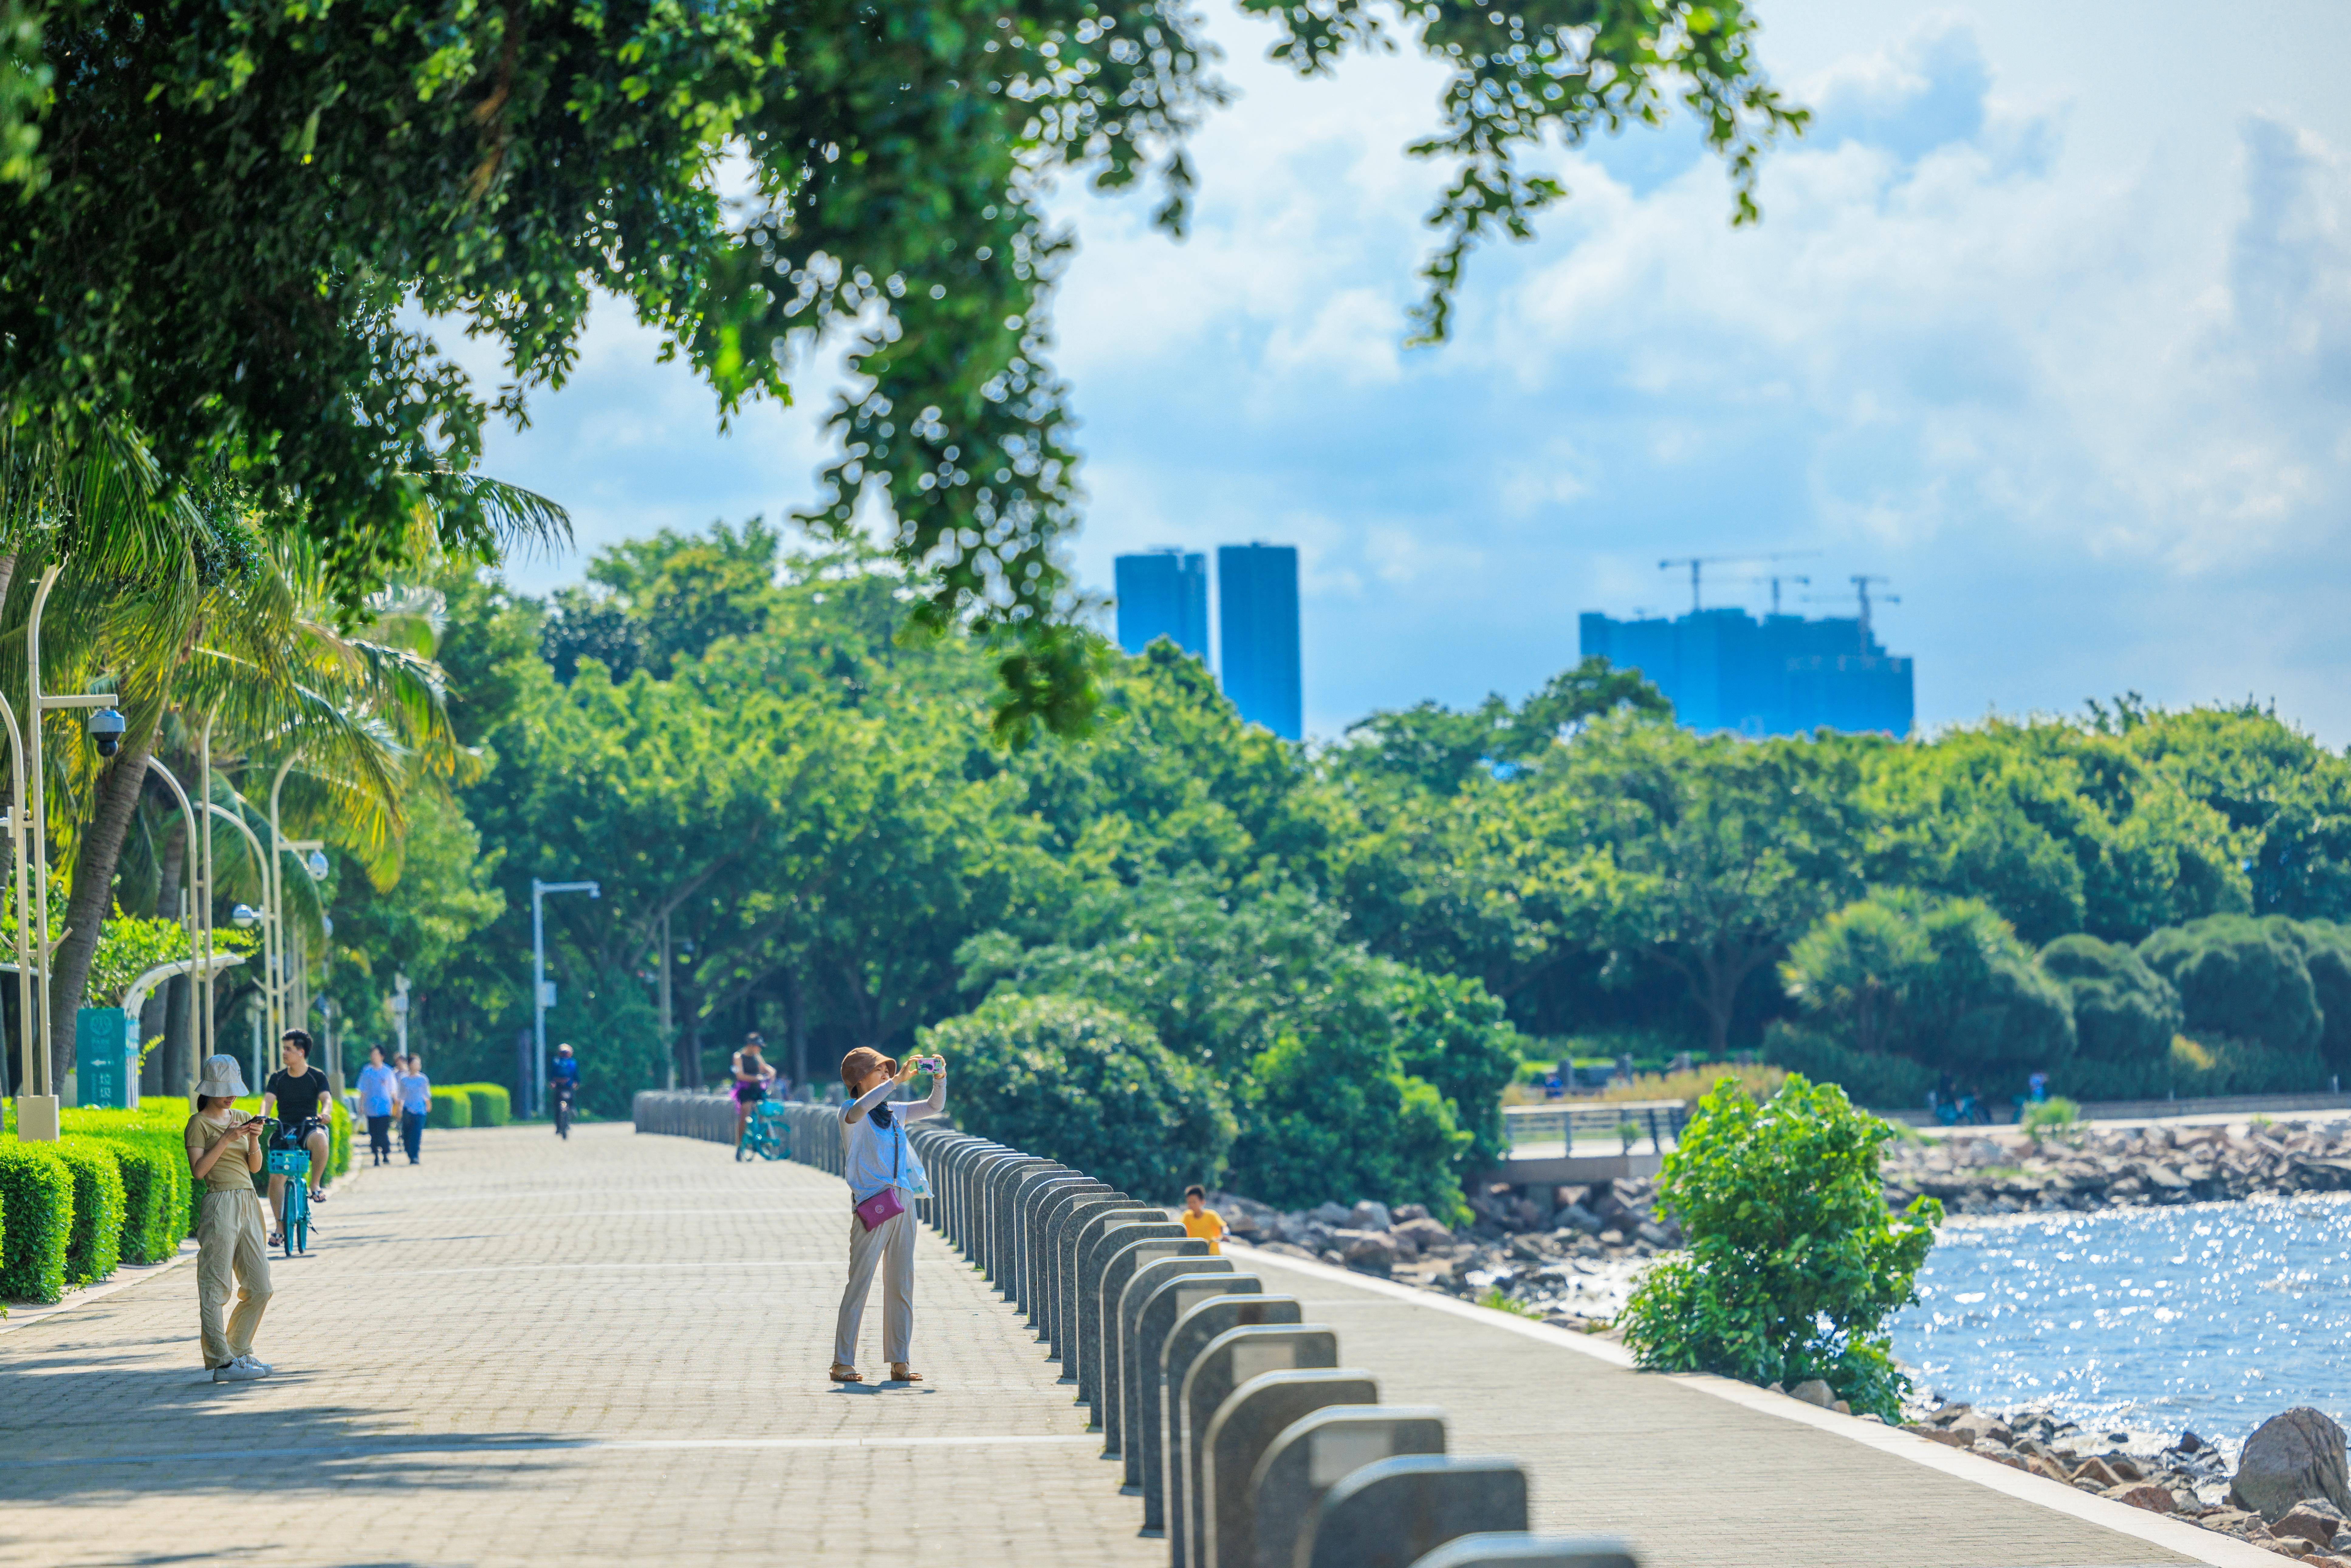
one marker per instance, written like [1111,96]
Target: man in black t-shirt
[298,1091]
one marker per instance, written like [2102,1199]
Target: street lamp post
[538,891]
[37,1107]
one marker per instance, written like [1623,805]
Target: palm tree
[200,602]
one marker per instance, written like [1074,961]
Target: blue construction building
[1784,674]
[1163,593]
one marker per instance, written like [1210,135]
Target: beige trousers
[233,1251]
[892,1245]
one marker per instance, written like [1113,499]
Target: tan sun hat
[222,1079]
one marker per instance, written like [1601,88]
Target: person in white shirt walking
[379,1089]
[415,1104]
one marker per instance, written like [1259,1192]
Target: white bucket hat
[222,1078]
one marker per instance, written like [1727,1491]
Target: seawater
[2211,1316]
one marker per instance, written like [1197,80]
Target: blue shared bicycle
[291,1161]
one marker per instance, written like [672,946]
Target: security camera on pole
[542,993]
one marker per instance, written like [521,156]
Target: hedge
[451,1108]
[155,1182]
[94,1242]
[492,1105]
[36,1194]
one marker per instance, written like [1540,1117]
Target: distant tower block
[1163,593]
[1257,590]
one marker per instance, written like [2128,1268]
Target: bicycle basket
[288,1162]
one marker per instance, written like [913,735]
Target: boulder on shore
[2289,1458]
[2313,1519]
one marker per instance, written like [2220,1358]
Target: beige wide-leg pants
[892,1245]
[233,1253]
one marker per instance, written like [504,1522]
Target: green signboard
[106,1057]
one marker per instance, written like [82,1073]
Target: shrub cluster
[452,1107]
[1901,988]
[1794,1262]
[488,1104]
[37,1206]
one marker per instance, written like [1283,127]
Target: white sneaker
[251,1360]
[244,1371]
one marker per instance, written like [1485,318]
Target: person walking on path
[378,1098]
[878,1160]
[223,1152]
[294,1094]
[415,1104]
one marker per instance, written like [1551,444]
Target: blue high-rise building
[1163,593]
[1725,670]
[1257,617]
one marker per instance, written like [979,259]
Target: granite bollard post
[1197,1327]
[1500,1551]
[982,1207]
[1223,1364]
[1003,1180]
[1016,1191]
[1393,1512]
[1145,1243]
[1170,1293]
[1061,1241]
[1237,1435]
[1314,1453]
[1094,1247]
[1032,1198]
[1120,1329]
[1052,1206]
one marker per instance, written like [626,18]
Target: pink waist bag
[884,1206]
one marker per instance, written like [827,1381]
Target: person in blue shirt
[415,1105]
[379,1089]
[563,1084]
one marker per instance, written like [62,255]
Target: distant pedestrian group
[395,1089]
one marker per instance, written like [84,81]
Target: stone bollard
[1012,1201]
[979,1175]
[1237,1435]
[1195,1328]
[1003,1179]
[1142,1402]
[1530,1551]
[1061,1261]
[1145,1243]
[1313,1453]
[1223,1364]
[1052,1209]
[1101,1241]
[1122,1364]
[959,1201]
[1035,1199]
[1393,1512]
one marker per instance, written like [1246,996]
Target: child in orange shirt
[1199,1221]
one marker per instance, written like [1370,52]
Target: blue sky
[2049,321]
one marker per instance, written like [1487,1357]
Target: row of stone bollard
[682,1115]
[1249,1445]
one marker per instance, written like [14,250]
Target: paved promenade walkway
[527,1351]
[612,1350]
[1696,1480]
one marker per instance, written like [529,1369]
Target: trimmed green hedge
[155,1182]
[36,1192]
[451,1108]
[94,1243]
[492,1105]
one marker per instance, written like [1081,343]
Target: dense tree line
[1319,966]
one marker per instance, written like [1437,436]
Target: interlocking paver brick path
[528,1351]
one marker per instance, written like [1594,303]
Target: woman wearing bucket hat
[225,1151]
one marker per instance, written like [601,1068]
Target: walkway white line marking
[675,1263]
[490,1447]
[2193,1542]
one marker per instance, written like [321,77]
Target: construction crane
[1775,579]
[1861,583]
[1697,563]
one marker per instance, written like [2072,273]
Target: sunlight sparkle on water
[2212,1316]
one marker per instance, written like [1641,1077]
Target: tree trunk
[93,889]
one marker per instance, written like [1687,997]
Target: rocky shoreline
[2287,1491]
[2001,1170]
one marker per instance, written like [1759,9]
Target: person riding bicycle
[752,1077]
[296,1095]
[563,1082]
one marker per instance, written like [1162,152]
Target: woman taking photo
[886,1177]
